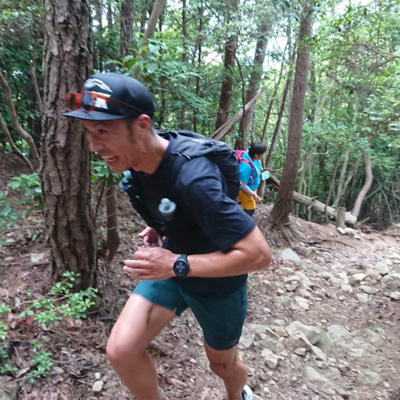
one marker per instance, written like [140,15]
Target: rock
[290,255]
[97,386]
[271,359]
[373,274]
[302,303]
[356,278]
[391,282]
[312,375]
[280,331]
[383,269]
[299,339]
[347,288]
[369,378]
[284,300]
[291,287]
[369,289]
[97,375]
[362,297]
[9,393]
[337,332]
[246,340]
[395,295]
[300,351]
[357,353]
[313,334]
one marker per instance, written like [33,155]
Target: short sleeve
[200,189]
[245,172]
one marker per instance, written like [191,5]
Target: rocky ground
[322,322]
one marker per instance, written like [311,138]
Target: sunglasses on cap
[87,101]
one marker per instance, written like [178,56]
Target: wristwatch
[181,266]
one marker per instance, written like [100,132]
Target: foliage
[100,170]
[352,99]
[61,302]
[30,188]
[8,215]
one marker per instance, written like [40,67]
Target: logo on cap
[91,82]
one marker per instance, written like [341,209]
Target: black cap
[133,97]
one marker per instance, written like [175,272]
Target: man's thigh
[222,319]
[139,323]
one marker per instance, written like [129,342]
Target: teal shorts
[221,320]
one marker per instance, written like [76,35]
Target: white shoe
[247,393]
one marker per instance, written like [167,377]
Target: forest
[317,80]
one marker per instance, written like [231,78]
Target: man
[209,248]
[250,172]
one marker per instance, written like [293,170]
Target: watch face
[181,268]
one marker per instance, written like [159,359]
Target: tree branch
[25,135]
[14,147]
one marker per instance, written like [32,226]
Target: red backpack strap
[240,158]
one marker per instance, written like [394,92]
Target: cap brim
[93,115]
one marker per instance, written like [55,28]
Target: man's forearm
[252,253]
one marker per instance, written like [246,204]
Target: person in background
[250,176]
[209,248]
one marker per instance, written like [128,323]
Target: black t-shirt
[205,219]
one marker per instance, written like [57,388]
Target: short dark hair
[257,148]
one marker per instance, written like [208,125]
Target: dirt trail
[322,323]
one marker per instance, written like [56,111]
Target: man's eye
[102,131]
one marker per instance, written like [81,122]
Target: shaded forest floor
[322,322]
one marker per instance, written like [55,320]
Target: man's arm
[252,253]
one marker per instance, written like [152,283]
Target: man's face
[113,141]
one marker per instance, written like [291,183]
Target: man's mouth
[110,160]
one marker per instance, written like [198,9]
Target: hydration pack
[187,145]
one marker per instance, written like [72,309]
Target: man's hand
[150,237]
[151,263]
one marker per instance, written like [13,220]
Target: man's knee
[119,350]
[219,368]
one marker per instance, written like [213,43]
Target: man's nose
[94,145]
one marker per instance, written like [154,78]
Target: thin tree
[65,170]
[255,77]
[225,99]
[281,210]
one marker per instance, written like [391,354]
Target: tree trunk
[97,53]
[126,24]
[223,130]
[312,203]
[331,186]
[280,115]
[113,238]
[110,16]
[185,39]
[18,128]
[199,60]
[255,76]
[156,12]
[365,188]
[225,100]
[281,209]
[341,180]
[65,171]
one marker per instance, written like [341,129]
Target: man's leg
[139,323]
[230,368]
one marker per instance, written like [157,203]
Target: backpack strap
[241,159]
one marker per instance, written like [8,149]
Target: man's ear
[143,122]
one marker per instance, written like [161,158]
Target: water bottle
[167,208]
